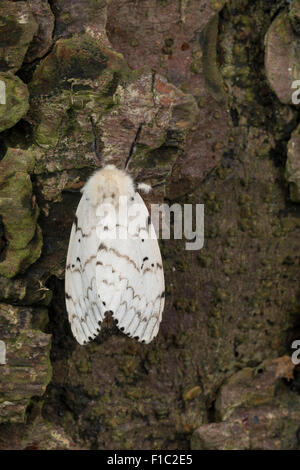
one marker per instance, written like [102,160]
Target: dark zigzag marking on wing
[90,288]
[145,319]
[83,318]
[82,268]
[77,302]
[141,320]
[127,287]
[136,313]
[117,253]
[158,317]
[147,270]
[80,319]
[139,313]
[152,269]
[134,296]
[145,328]
[89,260]
[87,311]
[88,234]
[99,263]
[79,229]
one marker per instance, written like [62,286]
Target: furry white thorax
[109,184]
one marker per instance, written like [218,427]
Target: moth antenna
[95,142]
[133,146]
[156,185]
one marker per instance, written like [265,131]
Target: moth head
[108,185]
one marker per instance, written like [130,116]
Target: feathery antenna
[133,145]
[95,142]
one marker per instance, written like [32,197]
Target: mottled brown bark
[201,84]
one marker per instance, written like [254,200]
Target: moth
[114,262]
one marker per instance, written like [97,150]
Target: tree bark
[202,90]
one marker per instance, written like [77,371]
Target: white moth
[117,274]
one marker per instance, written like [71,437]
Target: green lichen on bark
[17,28]
[294,15]
[28,369]
[292,170]
[19,213]
[14,102]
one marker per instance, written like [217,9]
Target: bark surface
[203,91]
